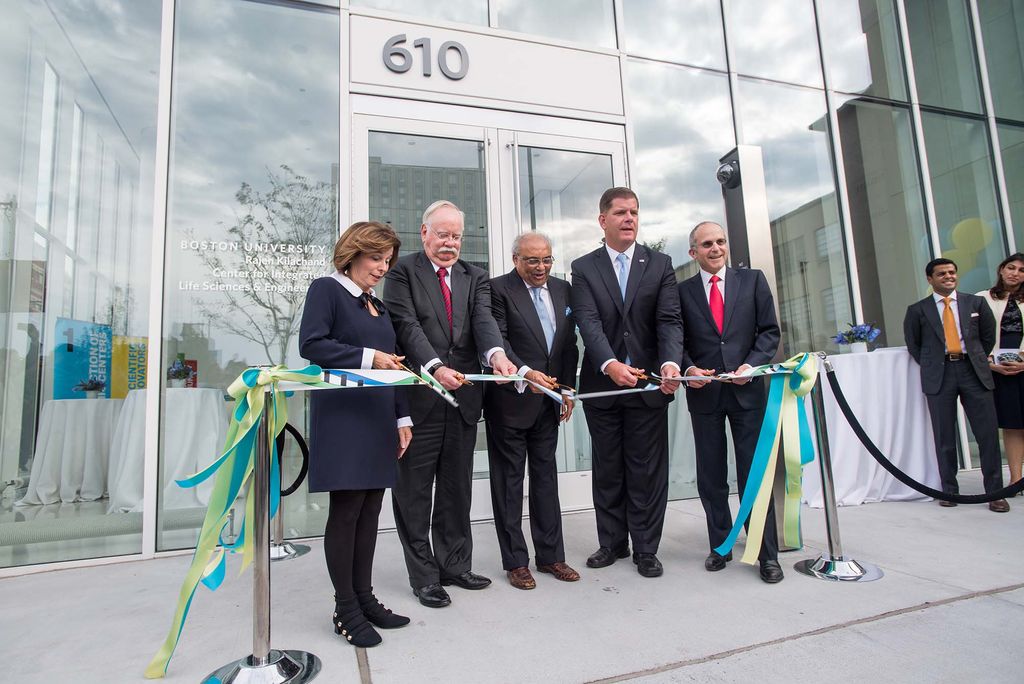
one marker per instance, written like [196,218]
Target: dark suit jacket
[352,436]
[750,334]
[414,301]
[646,327]
[516,315]
[926,342]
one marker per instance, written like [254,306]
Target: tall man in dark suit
[950,334]
[730,322]
[533,314]
[441,309]
[627,309]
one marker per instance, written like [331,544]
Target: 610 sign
[399,60]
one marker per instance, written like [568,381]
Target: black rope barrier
[304,468]
[844,406]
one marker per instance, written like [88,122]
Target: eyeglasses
[446,237]
[535,261]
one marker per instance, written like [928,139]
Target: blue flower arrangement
[865,332]
[179,371]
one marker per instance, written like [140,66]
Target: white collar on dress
[349,284]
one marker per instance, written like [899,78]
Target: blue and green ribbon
[233,470]
[784,417]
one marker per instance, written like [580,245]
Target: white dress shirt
[613,255]
[368,352]
[545,298]
[485,358]
[941,306]
[706,278]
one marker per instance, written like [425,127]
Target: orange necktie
[949,329]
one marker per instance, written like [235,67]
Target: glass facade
[942,48]
[879,153]
[252,203]
[1002,30]
[966,206]
[77,139]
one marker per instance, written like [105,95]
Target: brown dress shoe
[560,570]
[999,506]
[947,504]
[520,578]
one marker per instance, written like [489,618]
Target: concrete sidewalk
[949,609]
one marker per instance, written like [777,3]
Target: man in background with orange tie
[950,334]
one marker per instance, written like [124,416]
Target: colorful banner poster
[128,365]
[81,353]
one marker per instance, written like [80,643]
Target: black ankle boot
[350,623]
[376,613]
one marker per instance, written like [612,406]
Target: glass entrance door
[507,180]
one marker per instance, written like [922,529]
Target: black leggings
[350,540]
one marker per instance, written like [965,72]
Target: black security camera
[729,175]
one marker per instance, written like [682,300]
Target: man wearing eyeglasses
[533,314]
[441,310]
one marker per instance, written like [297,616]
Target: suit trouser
[509,450]
[960,380]
[713,467]
[629,443]
[441,450]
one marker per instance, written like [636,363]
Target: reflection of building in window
[67,219]
[789,255]
[795,315]
[404,213]
[687,270]
[829,241]
[812,281]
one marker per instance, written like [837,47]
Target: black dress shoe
[771,571]
[467,580]
[647,564]
[604,556]
[715,562]
[433,596]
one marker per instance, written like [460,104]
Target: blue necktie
[623,274]
[623,277]
[545,319]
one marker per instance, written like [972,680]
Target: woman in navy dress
[356,436]
[1005,298]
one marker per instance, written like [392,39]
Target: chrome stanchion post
[280,548]
[834,566]
[264,665]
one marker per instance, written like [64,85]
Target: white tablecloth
[72,451]
[195,426]
[883,388]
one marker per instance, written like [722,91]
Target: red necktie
[447,294]
[717,304]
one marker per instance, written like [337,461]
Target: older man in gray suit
[441,310]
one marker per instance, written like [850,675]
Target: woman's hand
[1013,368]
[382,361]
[404,438]
[1006,368]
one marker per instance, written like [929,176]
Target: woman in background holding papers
[356,435]
[1005,300]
